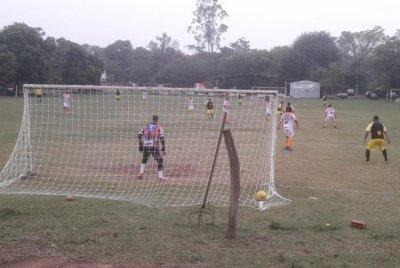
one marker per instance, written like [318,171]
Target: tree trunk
[358,76]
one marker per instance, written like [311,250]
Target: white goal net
[83,141]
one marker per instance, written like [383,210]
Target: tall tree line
[361,60]
[27,57]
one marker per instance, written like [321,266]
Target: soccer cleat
[142,167]
[334,126]
[161,176]
[387,161]
[140,176]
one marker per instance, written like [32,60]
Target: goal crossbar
[270,91]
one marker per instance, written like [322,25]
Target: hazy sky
[264,23]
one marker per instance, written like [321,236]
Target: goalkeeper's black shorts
[151,150]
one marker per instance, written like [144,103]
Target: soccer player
[280,109]
[288,119]
[210,109]
[117,95]
[226,108]
[39,94]
[268,107]
[67,99]
[288,104]
[240,97]
[190,105]
[152,142]
[324,101]
[330,116]
[378,132]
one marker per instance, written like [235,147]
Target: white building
[305,89]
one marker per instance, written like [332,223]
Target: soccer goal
[84,141]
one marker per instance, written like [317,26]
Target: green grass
[326,164]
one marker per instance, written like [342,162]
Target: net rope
[92,149]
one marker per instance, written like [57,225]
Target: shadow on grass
[9,212]
[275,225]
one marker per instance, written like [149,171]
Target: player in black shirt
[378,132]
[117,95]
[152,142]
[324,101]
[210,109]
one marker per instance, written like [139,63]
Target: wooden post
[235,183]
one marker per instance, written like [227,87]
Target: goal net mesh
[91,150]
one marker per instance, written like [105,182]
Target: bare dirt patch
[176,170]
[60,262]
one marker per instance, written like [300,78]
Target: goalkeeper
[151,138]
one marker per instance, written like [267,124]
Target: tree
[73,64]
[26,44]
[241,45]
[141,69]
[207,26]
[332,79]
[386,63]
[357,47]
[287,64]
[315,50]
[164,50]
[8,66]
[162,42]
[118,59]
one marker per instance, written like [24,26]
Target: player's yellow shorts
[210,112]
[118,98]
[376,144]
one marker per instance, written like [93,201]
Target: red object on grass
[358,224]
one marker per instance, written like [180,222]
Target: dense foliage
[360,60]
[26,56]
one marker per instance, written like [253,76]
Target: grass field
[326,164]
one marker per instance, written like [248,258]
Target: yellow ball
[261,196]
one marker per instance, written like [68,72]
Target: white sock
[160,174]
[142,167]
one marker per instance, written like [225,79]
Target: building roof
[305,82]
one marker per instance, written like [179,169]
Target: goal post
[19,164]
[91,147]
